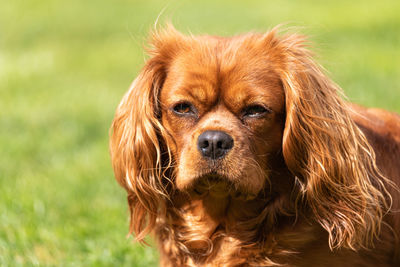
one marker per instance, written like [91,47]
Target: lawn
[64,66]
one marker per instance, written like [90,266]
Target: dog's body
[239,152]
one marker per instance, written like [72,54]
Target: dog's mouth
[212,184]
[218,186]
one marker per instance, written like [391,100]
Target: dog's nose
[214,144]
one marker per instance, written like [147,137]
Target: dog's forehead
[212,72]
[188,77]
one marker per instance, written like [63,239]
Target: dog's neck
[212,213]
[208,226]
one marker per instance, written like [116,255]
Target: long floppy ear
[138,140]
[328,153]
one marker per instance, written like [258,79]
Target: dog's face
[238,116]
[224,113]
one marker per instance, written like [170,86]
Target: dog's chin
[217,186]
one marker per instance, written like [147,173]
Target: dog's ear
[138,140]
[322,146]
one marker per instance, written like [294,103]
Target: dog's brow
[203,93]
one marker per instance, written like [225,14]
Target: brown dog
[240,152]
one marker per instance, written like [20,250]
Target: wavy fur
[320,168]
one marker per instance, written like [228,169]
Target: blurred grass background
[64,66]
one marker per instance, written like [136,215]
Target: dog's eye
[184,108]
[255,111]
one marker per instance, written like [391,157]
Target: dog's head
[222,104]
[211,115]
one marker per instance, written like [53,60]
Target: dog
[240,151]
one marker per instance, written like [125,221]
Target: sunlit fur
[313,183]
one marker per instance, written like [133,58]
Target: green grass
[64,66]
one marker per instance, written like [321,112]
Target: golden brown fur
[310,180]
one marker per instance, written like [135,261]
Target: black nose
[214,144]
